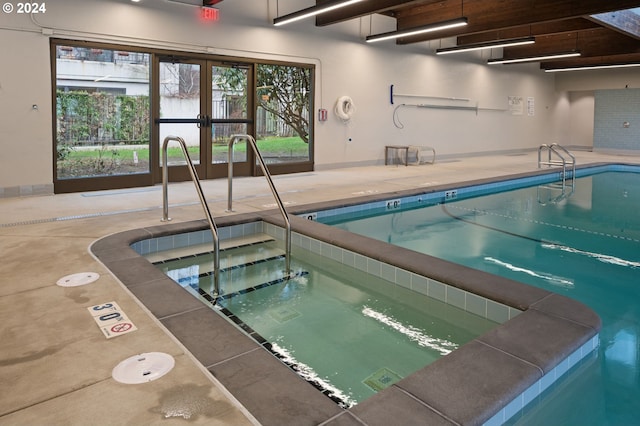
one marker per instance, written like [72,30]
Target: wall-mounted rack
[475,108]
[444,98]
[467,108]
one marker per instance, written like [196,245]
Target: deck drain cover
[143,368]
[75,280]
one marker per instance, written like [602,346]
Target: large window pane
[282,121]
[180,98]
[102,112]
[228,102]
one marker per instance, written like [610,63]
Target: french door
[204,102]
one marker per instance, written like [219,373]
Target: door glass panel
[228,102]
[180,98]
[221,132]
[102,112]
[282,120]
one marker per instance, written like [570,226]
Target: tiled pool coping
[485,381]
[462,190]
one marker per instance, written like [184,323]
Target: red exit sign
[209,14]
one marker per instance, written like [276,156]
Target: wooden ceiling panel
[629,58]
[364,8]
[538,29]
[489,15]
[602,30]
[596,42]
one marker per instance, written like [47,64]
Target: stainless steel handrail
[267,175]
[551,198]
[566,151]
[556,148]
[203,201]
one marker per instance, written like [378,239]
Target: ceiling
[603,31]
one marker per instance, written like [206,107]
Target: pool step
[261,276]
[206,248]
[249,254]
[244,263]
[236,279]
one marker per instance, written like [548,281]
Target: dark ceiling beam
[624,21]
[602,30]
[595,60]
[546,28]
[357,10]
[590,43]
[489,15]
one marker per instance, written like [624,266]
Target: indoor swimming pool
[583,243]
[349,333]
[513,343]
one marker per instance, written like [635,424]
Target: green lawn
[293,146]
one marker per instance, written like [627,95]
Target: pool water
[585,245]
[349,333]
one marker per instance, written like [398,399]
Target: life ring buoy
[345,108]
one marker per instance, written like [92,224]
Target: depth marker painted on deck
[394,204]
[310,216]
[111,319]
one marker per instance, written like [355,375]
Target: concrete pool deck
[55,365]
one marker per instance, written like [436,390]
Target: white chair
[421,152]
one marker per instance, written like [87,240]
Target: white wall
[580,87]
[581,119]
[574,119]
[25,130]
[615,78]
[345,65]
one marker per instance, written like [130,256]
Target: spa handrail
[203,201]
[274,191]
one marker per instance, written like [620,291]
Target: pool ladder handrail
[563,158]
[274,191]
[203,202]
[550,199]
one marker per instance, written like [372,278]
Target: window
[115,105]
[284,104]
[102,112]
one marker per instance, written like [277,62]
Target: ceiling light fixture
[594,67]
[533,58]
[312,11]
[438,26]
[486,45]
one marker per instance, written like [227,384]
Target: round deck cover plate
[143,368]
[78,279]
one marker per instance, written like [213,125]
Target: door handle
[200,120]
[204,120]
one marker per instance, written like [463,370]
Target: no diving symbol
[121,328]
[111,320]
